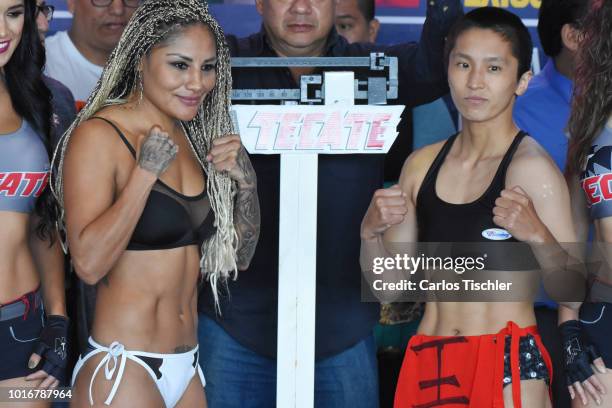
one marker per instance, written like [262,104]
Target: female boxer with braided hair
[150,182]
[31,262]
[586,336]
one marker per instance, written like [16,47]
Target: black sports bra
[471,223]
[169,219]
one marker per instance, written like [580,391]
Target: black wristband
[52,346]
[578,352]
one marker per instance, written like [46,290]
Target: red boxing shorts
[462,371]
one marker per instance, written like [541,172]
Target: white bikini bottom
[172,373]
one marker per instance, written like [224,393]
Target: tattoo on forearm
[246,212]
[245,165]
[183,348]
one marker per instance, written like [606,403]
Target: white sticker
[496,234]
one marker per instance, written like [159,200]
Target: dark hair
[31,99]
[367,8]
[498,20]
[554,14]
[592,101]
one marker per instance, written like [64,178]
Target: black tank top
[169,219]
[441,221]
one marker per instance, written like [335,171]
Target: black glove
[578,351]
[52,346]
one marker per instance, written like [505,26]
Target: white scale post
[297,261]
[266,129]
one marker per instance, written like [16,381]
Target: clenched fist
[514,211]
[157,151]
[227,154]
[388,207]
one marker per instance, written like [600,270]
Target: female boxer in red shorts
[490,181]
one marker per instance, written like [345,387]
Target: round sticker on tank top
[496,234]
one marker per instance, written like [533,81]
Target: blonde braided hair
[151,23]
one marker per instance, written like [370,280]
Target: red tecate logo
[23,184]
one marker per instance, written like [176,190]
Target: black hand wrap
[578,351]
[52,346]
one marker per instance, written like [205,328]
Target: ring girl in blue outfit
[586,335]
[33,322]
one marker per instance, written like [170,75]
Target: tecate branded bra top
[24,169]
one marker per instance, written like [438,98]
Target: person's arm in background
[538,211]
[53,340]
[579,353]
[422,72]
[64,109]
[580,212]
[49,261]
